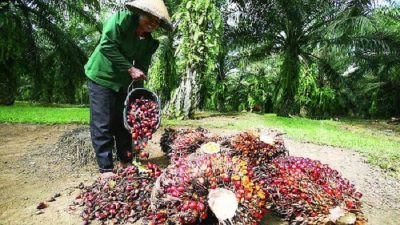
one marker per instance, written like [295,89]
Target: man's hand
[137,74]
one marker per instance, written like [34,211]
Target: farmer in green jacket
[122,56]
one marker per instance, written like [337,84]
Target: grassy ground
[378,141]
[43,114]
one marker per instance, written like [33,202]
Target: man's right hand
[137,74]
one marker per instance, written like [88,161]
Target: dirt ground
[29,178]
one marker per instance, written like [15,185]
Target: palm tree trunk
[186,98]
[289,79]
[169,79]
[221,75]
[8,82]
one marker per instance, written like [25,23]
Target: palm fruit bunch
[175,200]
[180,143]
[248,146]
[184,187]
[121,198]
[143,117]
[249,193]
[305,191]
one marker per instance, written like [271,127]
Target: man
[122,56]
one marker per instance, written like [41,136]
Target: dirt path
[21,185]
[28,178]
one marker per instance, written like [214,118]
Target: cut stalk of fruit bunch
[210,148]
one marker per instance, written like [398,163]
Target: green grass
[39,114]
[367,137]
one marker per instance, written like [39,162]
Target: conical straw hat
[154,7]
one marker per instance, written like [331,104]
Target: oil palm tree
[37,42]
[294,29]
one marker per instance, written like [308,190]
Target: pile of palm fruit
[230,180]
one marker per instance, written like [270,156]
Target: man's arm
[110,40]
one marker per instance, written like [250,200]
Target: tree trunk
[169,73]
[186,98]
[221,82]
[8,83]
[289,80]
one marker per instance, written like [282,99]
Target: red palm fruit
[113,212]
[144,155]
[175,194]
[181,189]
[226,178]
[102,216]
[129,188]
[201,207]
[248,196]
[185,207]
[349,204]
[193,205]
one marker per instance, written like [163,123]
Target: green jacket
[119,46]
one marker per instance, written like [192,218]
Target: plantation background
[314,58]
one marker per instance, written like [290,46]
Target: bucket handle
[130,87]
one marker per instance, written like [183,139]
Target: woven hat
[154,7]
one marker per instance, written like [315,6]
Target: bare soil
[30,176]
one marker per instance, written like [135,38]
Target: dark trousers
[107,126]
